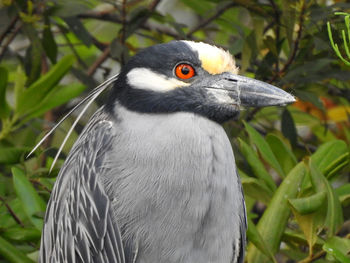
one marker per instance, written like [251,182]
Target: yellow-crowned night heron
[152,178]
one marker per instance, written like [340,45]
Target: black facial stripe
[186,99]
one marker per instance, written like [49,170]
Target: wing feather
[239,250]
[78,224]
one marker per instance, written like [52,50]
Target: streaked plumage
[152,177]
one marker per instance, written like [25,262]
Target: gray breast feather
[147,189]
[78,225]
[176,192]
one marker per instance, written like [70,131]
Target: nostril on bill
[232,80]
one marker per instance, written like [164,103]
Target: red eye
[184,71]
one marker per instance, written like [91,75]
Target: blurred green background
[294,161]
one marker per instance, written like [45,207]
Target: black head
[190,77]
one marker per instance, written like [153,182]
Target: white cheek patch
[143,78]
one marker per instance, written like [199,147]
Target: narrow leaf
[298,237]
[49,43]
[4,107]
[274,220]
[12,155]
[309,224]
[310,204]
[338,248]
[337,165]
[40,89]
[78,29]
[327,153]
[19,85]
[257,189]
[22,234]
[31,201]
[264,149]
[11,253]
[288,127]
[256,165]
[58,96]
[255,237]
[286,157]
[334,216]
[343,192]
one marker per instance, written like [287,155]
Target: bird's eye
[184,71]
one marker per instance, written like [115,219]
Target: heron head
[191,77]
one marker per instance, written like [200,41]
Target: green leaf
[286,157]
[77,27]
[334,216]
[56,97]
[22,234]
[323,133]
[31,201]
[337,165]
[72,8]
[343,192]
[327,154]
[4,107]
[20,81]
[270,43]
[335,46]
[274,220]
[338,248]
[310,204]
[49,43]
[264,149]
[257,189]
[11,253]
[288,127]
[12,155]
[258,25]
[309,224]
[295,254]
[256,165]
[246,56]
[32,60]
[255,237]
[298,237]
[40,89]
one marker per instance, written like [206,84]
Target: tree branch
[313,258]
[277,30]
[9,28]
[116,19]
[152,7]
[99,61]
[207,21]
[9,40]
[12,213]
[295,45]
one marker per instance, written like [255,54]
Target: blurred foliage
[294,161]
